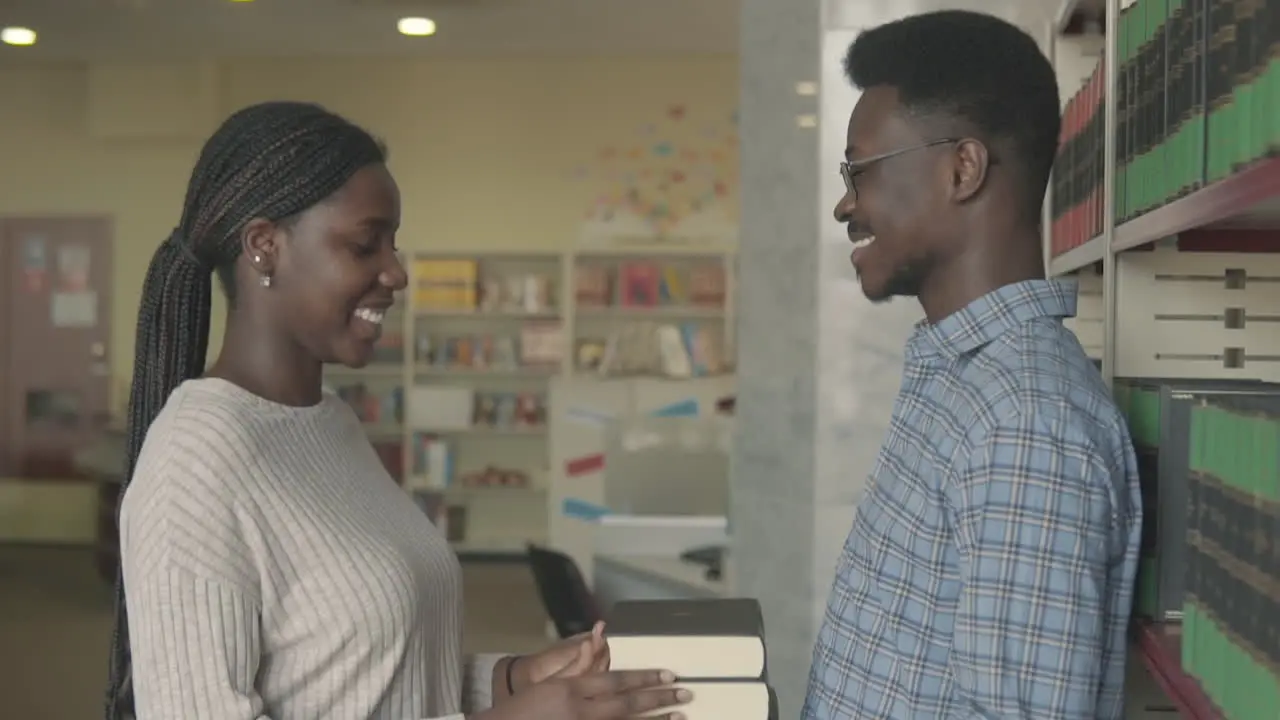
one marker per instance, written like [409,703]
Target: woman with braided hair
[270,567]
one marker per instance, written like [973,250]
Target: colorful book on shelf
[707,286]
[541,343]
[592,286]
[445,284]
[639,284]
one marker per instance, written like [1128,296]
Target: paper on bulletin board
[35,263]
[73,268]
[74,309]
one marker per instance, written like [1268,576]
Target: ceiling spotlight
[18,36]
[416,26]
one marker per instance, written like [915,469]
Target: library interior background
[629,312]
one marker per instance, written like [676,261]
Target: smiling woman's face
[334,273]
[897,201]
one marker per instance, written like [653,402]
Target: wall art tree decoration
[673,179]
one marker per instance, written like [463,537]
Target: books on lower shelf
[660,349]
[716,648]
[1231,629]
[1209,461]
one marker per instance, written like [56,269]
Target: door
[55,390]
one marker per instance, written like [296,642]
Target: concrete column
[819,365]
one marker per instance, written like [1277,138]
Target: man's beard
[904,282]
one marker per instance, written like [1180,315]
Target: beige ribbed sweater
[273,570]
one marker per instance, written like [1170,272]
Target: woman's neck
[267,363]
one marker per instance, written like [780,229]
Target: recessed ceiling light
[416,26]
[18,36]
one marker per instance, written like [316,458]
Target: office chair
[564,592]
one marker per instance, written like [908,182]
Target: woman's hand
[569,658]
[595,696]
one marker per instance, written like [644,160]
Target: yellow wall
[485,151]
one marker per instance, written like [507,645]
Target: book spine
[1121,101]
[1222,110]
[1193,598]
[1198,64]
[1099,144]
[1243,65]
[1073,162]
[1271,10]
[1180,107]
[1159,111]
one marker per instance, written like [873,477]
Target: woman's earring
[266,281]
[257,258]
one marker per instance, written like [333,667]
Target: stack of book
[1231,625]
[715,648]
[1195,96]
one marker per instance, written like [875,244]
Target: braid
[271,161]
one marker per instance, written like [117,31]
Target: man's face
[894,203]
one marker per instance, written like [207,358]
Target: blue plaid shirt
[989,572]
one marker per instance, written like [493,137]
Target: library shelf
[1081,256]
[1248,198]
[1161,647]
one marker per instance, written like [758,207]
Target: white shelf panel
[1198,315]
[443,313]
[485,431]
[649,313]
[502,520]
[424,370]
[1089,322]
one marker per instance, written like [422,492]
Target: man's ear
[969,169]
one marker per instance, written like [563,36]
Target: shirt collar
[992,315]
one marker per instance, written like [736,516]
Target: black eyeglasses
[852,169]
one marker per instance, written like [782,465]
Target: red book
[1100,93]
[1073,214]
[1093,149]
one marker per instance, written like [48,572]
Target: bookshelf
[1165,204]
[455,401]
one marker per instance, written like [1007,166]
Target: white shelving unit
[1188,289]
[500,519]
[1163,310]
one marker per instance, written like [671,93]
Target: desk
[104,461]
[642,577]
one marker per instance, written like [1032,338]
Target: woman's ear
[260,242]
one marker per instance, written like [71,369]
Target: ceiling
[220,28]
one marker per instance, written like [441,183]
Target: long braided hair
[270,161]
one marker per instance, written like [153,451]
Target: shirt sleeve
[478,675]
[195,647]
[1032,515]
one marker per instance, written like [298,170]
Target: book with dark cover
[1157,193]
[696,639]
[1123,90]
[1196,94]
[1221,86]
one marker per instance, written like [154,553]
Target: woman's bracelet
[511,666]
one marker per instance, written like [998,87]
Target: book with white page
[715,647]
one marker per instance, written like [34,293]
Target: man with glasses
[989,572]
